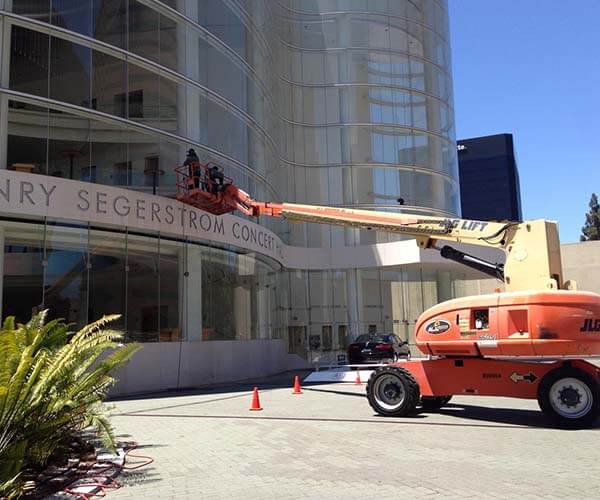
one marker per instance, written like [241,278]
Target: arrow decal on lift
[529,377]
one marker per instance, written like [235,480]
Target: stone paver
[327,443]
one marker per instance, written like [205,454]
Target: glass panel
[35,9]
[109,155]
[68,146]
[169,291]
[170,156]
[398,35]
[142,149]
[73,15]
[23,270]
[327,337]
[168,34]
[342,337]
[142,100]
[66,274]
[223,23]
[312,67]
[226,132]
[170,113]
[108,277]
[109,21]
[143,31]
[29,60]
[225,306]
[109,84]
[452,199]
[143,303]
[372,300]
[70,72]
[429,191]
[27,136]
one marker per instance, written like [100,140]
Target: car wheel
[570,397]
[393,392]
[434,403]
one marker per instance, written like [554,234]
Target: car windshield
[374,338]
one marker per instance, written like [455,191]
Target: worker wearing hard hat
[192,161]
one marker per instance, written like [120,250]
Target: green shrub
[52,383]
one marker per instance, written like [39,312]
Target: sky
[532,68]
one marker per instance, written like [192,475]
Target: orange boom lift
[527,342]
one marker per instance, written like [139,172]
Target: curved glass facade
[366,105]
[165,289]
[367,100]
[110,90]
[340,102]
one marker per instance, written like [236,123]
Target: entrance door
[297,341]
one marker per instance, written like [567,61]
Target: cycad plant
[52,383]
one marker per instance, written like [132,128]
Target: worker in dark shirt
[217,178]
[192,162]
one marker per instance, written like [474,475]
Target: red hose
[105,483]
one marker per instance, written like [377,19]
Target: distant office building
[489,178]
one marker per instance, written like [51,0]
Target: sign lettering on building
[34,195]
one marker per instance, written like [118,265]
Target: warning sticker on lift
[487,340]
[528,377]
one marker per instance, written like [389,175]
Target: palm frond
[52,384]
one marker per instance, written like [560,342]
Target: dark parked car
[376,348]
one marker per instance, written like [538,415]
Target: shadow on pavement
[331,391]
[239,390]
[418,419]
[150,446]
[278,381]
[512,416]
[464,414]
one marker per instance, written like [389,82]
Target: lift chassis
[528,341]
[566,390]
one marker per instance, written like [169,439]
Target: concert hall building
[332,102]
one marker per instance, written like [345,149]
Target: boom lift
[526,342]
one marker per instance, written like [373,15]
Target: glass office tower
[339,102]
[489,178]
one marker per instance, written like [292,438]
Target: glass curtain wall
[325,101]
[366,104]
[389,300]
[123,112]
[81,273]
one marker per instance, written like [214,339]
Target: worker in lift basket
[216,176]
[192,162]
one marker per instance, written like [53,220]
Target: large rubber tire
[434,403]
[393,392]
[570,397]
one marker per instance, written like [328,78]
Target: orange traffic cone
[297,388]
[357,379]
[255,401]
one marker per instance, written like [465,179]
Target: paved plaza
[328,443]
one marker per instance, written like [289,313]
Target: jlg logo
[437,326]
[591,325]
